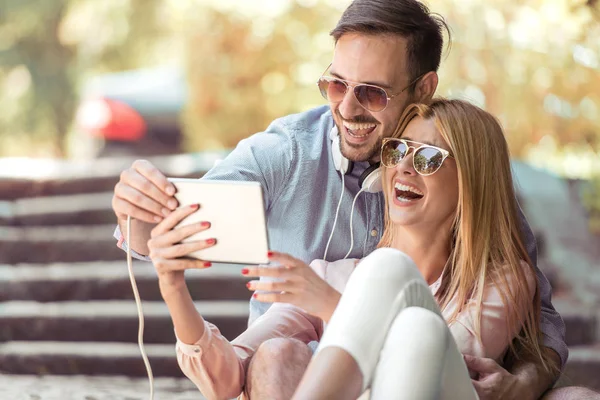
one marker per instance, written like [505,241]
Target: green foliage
[35,71]
[531,63]
[246,72]
[591,200]
[47,47]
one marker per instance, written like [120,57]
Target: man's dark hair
[409,19]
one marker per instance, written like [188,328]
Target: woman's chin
[404,219]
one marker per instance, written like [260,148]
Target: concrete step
[82,387]
[581,320]
[583,367]
[87,358]
[93,358]
[108,321]
[110,281]
[75,209]
[74,243]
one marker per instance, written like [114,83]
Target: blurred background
[84,79]
[86,86]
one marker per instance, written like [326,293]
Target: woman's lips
[406,195]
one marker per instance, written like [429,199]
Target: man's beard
[367,154]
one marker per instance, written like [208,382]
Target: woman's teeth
[406,193]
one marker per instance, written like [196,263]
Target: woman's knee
[276,368]
[387,265]
[424,326]
[282,350]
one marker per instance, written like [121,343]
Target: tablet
[237,216]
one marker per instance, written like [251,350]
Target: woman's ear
[426,87]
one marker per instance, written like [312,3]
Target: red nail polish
[248,285]
[211,241]
[270,254]
[255,295]
[195,206]
[205,224]
[208,264]
[245,271]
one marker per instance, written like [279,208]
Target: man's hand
[494,382]
[296,284]
[143,193]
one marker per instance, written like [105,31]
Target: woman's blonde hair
[486,237]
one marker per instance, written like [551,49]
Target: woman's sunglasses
[426,159]
[371,97]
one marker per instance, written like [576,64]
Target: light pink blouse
[218,367]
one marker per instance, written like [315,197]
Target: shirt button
[196,349]
[374,232]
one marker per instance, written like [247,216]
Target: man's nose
[349,106]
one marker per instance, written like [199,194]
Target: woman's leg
[420,360]
[383,284]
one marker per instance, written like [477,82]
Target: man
[394,47]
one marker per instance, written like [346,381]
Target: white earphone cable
[351,215]
[140,311]
[336,218]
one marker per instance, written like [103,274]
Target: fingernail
[170,190]
[207,264]
[248,285]
[165,211]
[245,271]
[270,254]
[157,218]
[172,204]
[205,224]
[194,206]
[211,241]
[255,295]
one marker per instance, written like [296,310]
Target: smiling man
[388,85]
[387,53]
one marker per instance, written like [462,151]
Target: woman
[454,218]
[451,276]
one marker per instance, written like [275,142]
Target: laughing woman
[451,275]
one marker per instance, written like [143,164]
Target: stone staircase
[66,305]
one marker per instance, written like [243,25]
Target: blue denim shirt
[292,161]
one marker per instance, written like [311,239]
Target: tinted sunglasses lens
[428,160]
[332,89]
[370,97]
[392,152]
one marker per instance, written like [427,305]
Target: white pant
[390,323]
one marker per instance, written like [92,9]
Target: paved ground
[27,387]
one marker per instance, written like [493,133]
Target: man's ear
[426,87]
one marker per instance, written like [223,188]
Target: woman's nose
[405,166]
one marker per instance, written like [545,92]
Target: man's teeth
[405,188]
[353,127]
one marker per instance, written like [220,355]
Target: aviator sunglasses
[427,159]
[370,97]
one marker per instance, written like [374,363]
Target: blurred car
[133,113]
